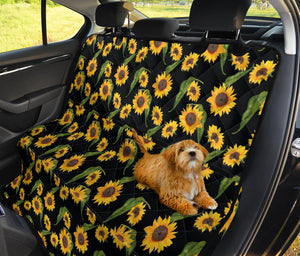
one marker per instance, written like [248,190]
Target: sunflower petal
[192,248]
[127,206]
[133,234]
[254,105]
[232,79]
[225,183]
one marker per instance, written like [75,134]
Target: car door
[33,85]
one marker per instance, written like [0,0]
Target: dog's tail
[139,141]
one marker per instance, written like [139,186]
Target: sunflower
[17,209]
[125,111]
[65,241]
[64,192]
[189,61]
[75,136]
[141,55]
[100,45]
[71,89]
[72,163]
[107,70]
[93,132]
[45,141]
[143,79]
[49,201]
[222,100]
[230,219]
[215,137]
[40,189]
[91,216]
[79,80]
[79,194]
[121,237]
[240,62]
[261,72]
[105,90]
[136,214]
[162,85]
[56,180]
[207,221]
[91,67]
[212,52]
[79,110]
[16,182]
[117,100]
[93,98]
[159,235]
[25,142]
[140,102]
[234,155]
[93,178]
[190,119]
[132,46]
[126,151]
[81,239]
[47,222]
[108,193]
[108,124]
[27,177]
[81,62]
[37,130]
[157,115]
[122,75]
[73,127]
[169,129]
[261,108]
[194,91]
[37,205]
[101,233]
[106,155]
[128,132]
[176,51]
[54,240]
[90,40]
[107,49]
[102,144]
[22,194]
[206,171]
[87,89]
[27,205]
[49,164]
[148,142]
[43,238]
[32,154]
[156,46]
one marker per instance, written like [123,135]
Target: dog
[175,175]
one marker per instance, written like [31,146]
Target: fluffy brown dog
[175,175]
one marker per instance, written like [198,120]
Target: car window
[20,23]
[182,8]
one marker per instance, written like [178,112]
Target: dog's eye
[181,149]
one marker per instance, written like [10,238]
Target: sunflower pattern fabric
[76,186]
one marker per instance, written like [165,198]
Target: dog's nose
[192,153]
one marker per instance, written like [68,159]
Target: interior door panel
[33,87]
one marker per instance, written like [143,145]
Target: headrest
[151,28]
[112,14]
[218,15]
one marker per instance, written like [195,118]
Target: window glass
[62,23]
[181,8]
[20,24]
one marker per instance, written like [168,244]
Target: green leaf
[152,131]
[112,114]
[136,79]
[132,246]
[87,227]
[126,61]
[223,58]
[225,183]
[36,184]
[93,112]
[46,232]
[88,154]
[126,179]
[170,68]
[111,90]
[124,47]
[131,161]
[165,50]
[56,149]
[192,248]
[85,173]
[87,192]
[127,206]
[147,111]
[203,120]
[102,69]
[232,79]
[62,211]
[99,253]
[98,53]
[176,216]
[213,155]
[254,105]
[121,129]
[183,90]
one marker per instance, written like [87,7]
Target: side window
[21,25]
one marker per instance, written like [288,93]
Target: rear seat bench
[76,185]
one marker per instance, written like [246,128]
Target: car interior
[67,109]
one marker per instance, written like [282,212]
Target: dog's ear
[204,151]
[171,154]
